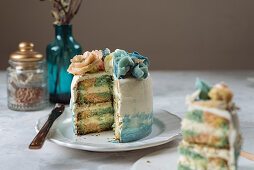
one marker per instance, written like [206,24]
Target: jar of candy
[27,79]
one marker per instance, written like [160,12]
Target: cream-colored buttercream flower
[221,92]
[88,62]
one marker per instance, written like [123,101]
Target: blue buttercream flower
[135,55]
[134,63]
[122,63]
[140,71]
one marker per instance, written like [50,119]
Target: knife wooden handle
[39,139]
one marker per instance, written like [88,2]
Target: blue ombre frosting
[133,63]
[136,126]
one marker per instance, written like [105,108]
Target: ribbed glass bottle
[59,53]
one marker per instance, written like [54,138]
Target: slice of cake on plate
[210,129]
[112,90]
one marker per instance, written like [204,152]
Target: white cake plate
[160,160]
[166,127]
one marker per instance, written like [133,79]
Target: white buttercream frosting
[134,95]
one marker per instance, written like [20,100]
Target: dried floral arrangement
[64,10]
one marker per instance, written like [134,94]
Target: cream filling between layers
[201,128]
[222,113]
[94,119]
[92,106]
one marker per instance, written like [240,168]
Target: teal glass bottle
[59,53]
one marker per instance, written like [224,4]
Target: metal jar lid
[26,53]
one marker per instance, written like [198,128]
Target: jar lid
[26,53]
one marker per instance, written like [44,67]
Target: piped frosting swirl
[88,62]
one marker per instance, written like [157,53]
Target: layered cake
[210,129]
[112,91]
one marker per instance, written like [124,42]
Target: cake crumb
[148,162]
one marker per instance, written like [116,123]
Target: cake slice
[210,129]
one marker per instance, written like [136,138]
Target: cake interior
[95,104]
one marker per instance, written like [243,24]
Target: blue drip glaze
[130,132]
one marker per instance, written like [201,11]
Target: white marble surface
[170,89]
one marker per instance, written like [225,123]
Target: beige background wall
[174,34]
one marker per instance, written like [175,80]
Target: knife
[39,139]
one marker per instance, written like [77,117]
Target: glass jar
[27,79]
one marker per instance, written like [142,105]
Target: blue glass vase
[59,53]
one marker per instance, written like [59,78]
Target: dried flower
[64,10]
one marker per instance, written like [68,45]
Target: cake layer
[90,106]
[201,133]
[95,123]
[205,138]
[194,156]
[94,97]
[208,118]
[101,80]
[95,109]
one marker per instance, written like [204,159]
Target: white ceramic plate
[161,160]
[166,159]
[166,127]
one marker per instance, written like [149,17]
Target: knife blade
[39,139]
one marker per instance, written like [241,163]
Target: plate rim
[121,147]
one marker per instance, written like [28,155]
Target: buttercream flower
[88,62]
[140,71]
[221,92]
